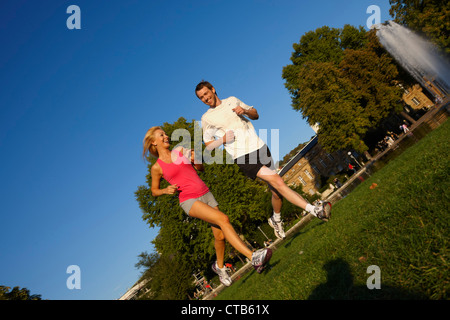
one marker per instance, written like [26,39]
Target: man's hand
[228,137]
[240,111]
[250,113]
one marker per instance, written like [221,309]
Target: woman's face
[161,139]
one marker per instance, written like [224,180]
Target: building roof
[299,155]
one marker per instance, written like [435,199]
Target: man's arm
[227,138]
[251,113]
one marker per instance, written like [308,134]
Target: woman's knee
[218,235]
[222,219]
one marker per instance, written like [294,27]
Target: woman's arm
[197,165]
[156,172]
[190,154]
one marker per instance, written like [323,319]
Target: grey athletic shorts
[207,198]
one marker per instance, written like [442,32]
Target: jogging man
[227,122]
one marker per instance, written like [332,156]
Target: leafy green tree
[373,75]
[343,80]
[429,17]
[17,294]
[146,261]
[170,278]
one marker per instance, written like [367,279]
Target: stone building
[310,163]
[415,98]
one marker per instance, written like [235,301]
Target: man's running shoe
[323,211]
[260,258]
[224,277]
[277,228]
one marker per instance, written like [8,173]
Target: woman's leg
[206,213]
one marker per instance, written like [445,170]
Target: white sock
[277,216]
[310,209]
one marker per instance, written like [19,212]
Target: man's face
[207,96]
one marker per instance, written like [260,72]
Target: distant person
[352,168]
[404,128]
[177,167]
[227,122]
[230,267]
[337,183]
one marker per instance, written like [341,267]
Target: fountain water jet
[417,56]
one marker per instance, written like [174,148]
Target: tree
[429,17]
[343,80]
[373,75]
[17,294]
[146,261]
[169,278]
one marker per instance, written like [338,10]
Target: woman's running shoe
[260,258]
[224,277]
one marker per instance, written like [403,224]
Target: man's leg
[323,212]
[277,183]
[219,245]
[275,220]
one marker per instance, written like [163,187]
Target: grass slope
[400,226]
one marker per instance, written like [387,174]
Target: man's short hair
[203,84]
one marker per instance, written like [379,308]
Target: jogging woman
[177,168]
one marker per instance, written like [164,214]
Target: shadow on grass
[339,286]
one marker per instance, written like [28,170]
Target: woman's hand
[172,189]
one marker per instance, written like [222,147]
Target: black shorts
[251,163]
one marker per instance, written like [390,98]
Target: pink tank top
[181,173]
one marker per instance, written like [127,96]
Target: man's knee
[275,181]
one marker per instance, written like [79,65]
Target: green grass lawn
[400,226]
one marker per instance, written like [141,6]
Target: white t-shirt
[216,121]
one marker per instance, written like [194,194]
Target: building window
[330,157]
[315,169]
[308,174]
[416,102]
[302,181]
[322,163]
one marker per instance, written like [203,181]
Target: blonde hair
[148,140]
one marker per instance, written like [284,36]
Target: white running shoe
[323,211]
[224,277]
[277,228]
[260,258]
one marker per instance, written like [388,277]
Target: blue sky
[75,105]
